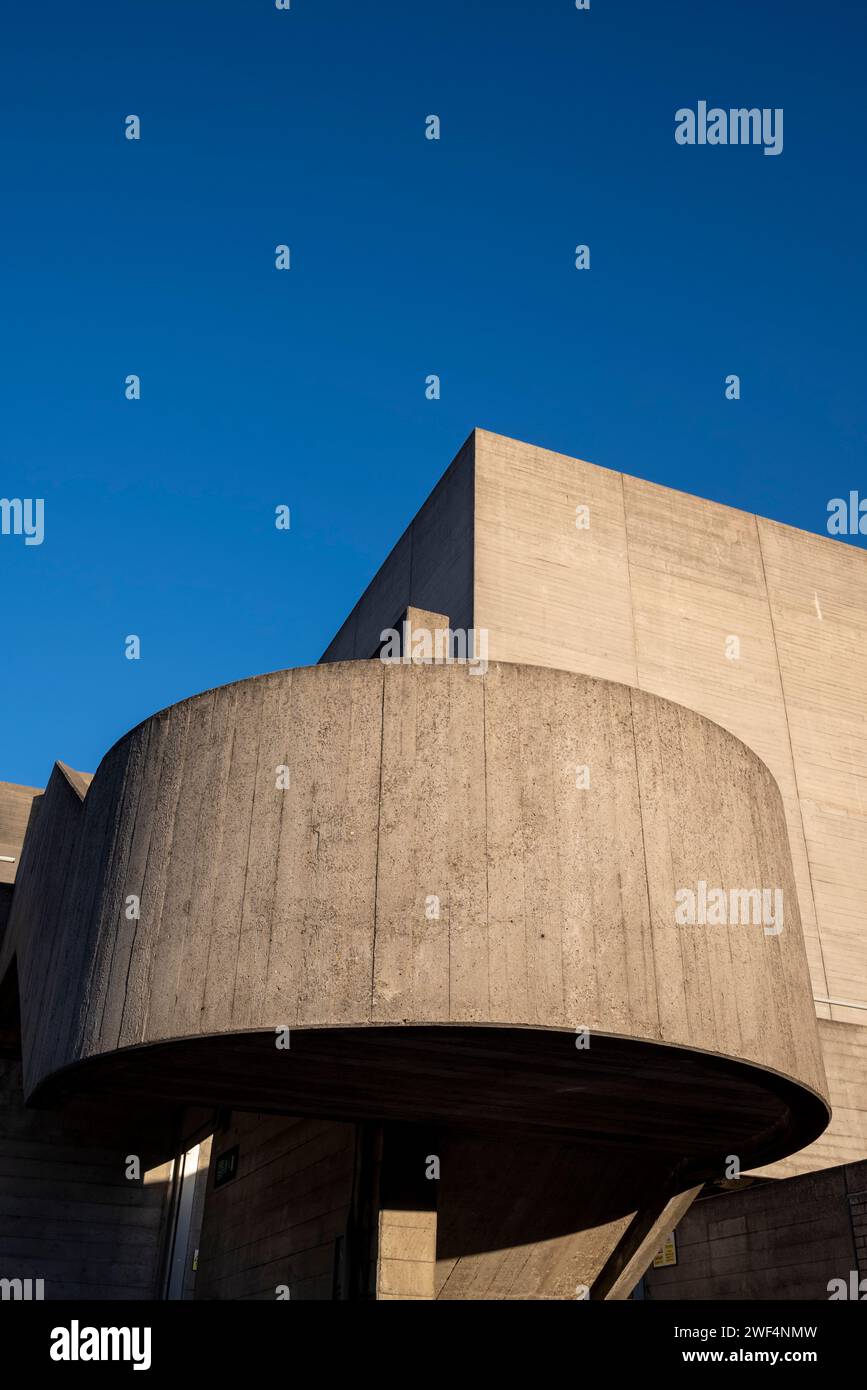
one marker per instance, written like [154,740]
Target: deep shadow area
[676,1107]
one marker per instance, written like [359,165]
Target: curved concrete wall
[314,906]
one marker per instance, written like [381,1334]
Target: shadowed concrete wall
[578,1200]
[430,568]
[781,1240]
[279,1220]
[68,1213]
[312,906]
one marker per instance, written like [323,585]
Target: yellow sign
[667,1253]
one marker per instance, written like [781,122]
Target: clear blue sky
[409,257]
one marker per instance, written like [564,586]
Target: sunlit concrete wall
[259,902]
[756,625]
[652,592]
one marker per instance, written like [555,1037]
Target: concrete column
[407,1224]
[407,1254]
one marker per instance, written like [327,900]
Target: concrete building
[410,977]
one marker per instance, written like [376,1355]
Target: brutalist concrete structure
[405,933]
